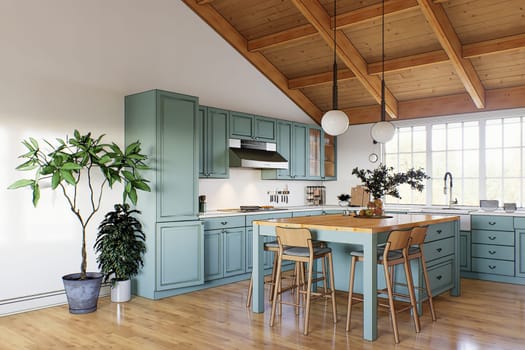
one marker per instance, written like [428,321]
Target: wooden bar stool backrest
[396,240]
[418,235]
[294,237]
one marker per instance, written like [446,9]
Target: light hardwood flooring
[487,316]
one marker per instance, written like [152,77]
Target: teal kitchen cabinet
[328,157]
[292,144]
[519,224]
[252,127]
[224,247]
[180,249]
[166,124]
[492,246]
[464,250]
[213,142]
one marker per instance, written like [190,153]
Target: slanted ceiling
[441,56]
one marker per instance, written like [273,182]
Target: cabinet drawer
[438,249]
[251,218]
[498,223]
[495,267]
[440,277]
[439,231]
[493,252]
[223,222]
[493,237]
[519,222]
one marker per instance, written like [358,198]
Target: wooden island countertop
[339,222]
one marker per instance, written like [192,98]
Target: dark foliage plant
[120,244]
[383,180]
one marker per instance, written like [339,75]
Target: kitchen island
[343,232]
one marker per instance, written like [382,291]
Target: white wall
[68,64]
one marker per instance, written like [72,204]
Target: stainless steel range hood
[255,154]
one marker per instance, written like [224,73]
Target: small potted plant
[120,244]
[81,167]
[383,181]
[343,199]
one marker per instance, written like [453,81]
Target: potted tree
[120,244]
[70,166]
[383,181]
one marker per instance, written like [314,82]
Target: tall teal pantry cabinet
[166,124]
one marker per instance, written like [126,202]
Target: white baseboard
[40,301]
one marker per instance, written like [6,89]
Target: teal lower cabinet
[497,249]
[520,253]
[464,250]
[224,247]
[180,248]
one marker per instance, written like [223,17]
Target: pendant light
[335,121]
[383,131]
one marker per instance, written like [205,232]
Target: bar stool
[273,247]
[295,244]
[393,253]
[417,239]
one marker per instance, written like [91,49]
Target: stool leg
[297,286]
[412,294]
[276,291]
[323,262]
[391,302]
[274,275]
[250,291]
[332,287]
[308,297]
[428,290]
[350,293]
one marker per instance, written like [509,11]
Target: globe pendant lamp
[383,131]
[334,122]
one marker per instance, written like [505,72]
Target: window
[485,154]
[408,150]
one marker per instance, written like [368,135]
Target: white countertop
[227,212]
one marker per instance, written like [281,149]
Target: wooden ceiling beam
[367,13]
[319,79]
[440,23]
[497,99]
[346,51]
[343,20]
[392,65]
[298,33]
[235,39]
[509,43]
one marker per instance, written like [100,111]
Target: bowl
[509,207]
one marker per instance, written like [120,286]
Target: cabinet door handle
[492,238]
[224,222]
[439,277]
[439,250]
[439,231]
[492,267]
[492,223]
[492,252]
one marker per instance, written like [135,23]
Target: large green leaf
[21,183]
[29,165]
[68,176]
[55,180]
[71,166]
[33,142]
[141,185]
[128,175]
[36,193]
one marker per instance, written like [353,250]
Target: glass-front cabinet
[314,153]
[329,157]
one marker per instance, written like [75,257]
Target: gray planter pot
[82,295]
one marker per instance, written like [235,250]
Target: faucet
[445,188]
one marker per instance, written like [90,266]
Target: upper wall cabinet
[213,141]
[167,126]
[329,156]
[252,127]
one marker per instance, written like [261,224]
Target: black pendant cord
[334,83]
[383,105]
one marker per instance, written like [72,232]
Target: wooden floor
[487,316]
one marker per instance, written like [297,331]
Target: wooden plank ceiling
[441,56]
